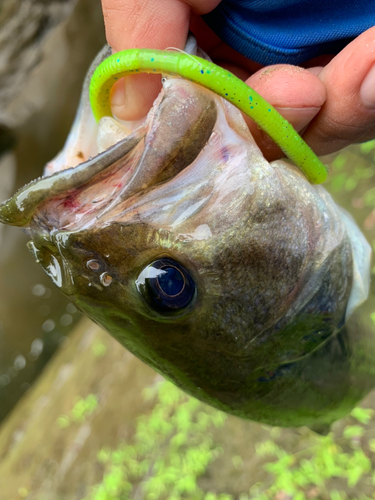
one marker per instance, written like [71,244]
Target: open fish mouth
[158,150]
[20,209]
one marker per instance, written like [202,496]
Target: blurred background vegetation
[98,424]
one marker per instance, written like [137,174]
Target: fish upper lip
[19,210]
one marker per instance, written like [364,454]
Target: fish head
[219,269]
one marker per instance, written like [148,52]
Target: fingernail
[117,96]
[132,98]
[367,91]
[298,117]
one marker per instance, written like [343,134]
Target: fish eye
[166,286]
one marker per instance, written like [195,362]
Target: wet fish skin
[217,349]
[267,334]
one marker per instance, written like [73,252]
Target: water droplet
[66,319]
[93,265]
[48,325]
[12,372]
[215,138]
[38,290]
[105,279]
[20,362]
[36,347]
[4,379]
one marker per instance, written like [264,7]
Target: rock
[24,26]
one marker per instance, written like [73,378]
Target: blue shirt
[289,31]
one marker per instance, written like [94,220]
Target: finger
[142,23]
[348,114]
[295,92]
[150,24]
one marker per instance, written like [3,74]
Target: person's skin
[332,102]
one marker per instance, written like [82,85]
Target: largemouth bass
[233,277]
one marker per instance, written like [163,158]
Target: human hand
[327,103]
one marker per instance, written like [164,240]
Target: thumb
[137,24]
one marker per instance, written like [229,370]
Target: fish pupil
[166,286]
[171,282]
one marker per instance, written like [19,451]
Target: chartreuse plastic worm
[214,78]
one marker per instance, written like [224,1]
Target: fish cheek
[120,253]
[104,266]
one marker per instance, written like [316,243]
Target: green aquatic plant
[82,408]
[99,349]
[363,415]
[327,460]
[314,467]
[172,447]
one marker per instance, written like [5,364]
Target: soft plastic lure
[214,78]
